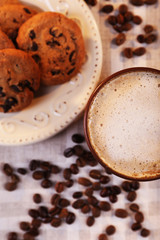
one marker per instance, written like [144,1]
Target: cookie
[56,43]
[5,42]
[19,79]
[12,16]
[2,2]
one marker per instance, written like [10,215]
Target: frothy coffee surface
[124,124]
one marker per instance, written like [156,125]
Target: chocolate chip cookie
[2,2]
[12,16]
[19,79]
[5,42]
[56,43]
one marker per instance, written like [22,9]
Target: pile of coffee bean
[97,193]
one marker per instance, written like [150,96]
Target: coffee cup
[122,123]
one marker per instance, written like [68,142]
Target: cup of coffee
[122,123]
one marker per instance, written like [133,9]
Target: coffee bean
[33,213]
[55,199]
[12,236]
[127,52]
[121,213]
[37,198]
[150,38]
[126,186]
[45,165]
[69,183]
[74,168]
[78,149]
[123,8]
[141,38]
[134,207]
[81,162]
[150,2]
[145,232]
[102,236]
[22,171]
[56,222]
[84,181]
[67,173]
[43,211]
[139,217]
[37,175]
[90,221]
[104,179]
[68,152]
[104,206]
[108,8]
[10,186]
[14,178]
[120,39]
[46,183]
[77,194]
[36,223]
[128,16]
[112,20]
[55,211]
[137,2]
[96,186]
[136,226]
[137,20]
[131,196]
[78,203]
[28,236]
[63,202]
[63,213]
[148,28]
[139,51]
[70,218]
[91,2]
[7,169]
[55,169]
[85,209]
[88,192]
[59,187]
[96,212]
[110,230]
[33,232]
[135,185]
[96,174]
[126,26]
[93,201]
[105,192]
[47,219]
[25,226]
[78,138]
[120,19]
[115,189]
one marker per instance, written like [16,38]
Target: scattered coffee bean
[126,186]
[95,174]
[135,185]
[46,183]
[115,189]
[7,169]
[128,53]
[141,38]
[33,213]
[81,162]
[55,199]
[56,222]
[121,213]
[10,186]
[136,226]
[78,150]
[77,194]
[78,203]
[120,39]
[88,192]
[70,218]
[105,192]
[150,38]
[104,206]
[108,8]
[69,183]
[28,236]
[36,223]
[148,28]
[54,211]
[112,20]
[78,138]
[120,19]
[68,152]
[139,217]
[137,20]
[55,169]
[34,164]
[59,187]
[96,212]
[139,51]
[37,198]
[74,168]
[145,232]
[25,226]
[63,202]
[22,171]
[43,211]
[33,232]
[134,207]
[96,186]
[63,213]
[84,181]
[104,179]
[110,230]
[91,2]
[131,196]
[37,175]
[14,178]
[90,221]
[93,201]
[113,198]
[137,2]
[126,27]
[102,236]
[12,236]
[86,209]
[123,9]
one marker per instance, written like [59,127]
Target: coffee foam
[124,124]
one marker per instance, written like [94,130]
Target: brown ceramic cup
[122,123]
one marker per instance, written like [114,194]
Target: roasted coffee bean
[45,165]
[55,199]
[150,2]
[96,212]
[96,186]
[33,232]
[91,161]
[136,226]
[85,209]
[108,8]
[46,183]
[78,138]
[131,196]
[55,211]
[96,174]
[28,236]
[139,51]
[33,213]
[47,174]
[134,207]
[67,173]
[150,38]
[63,213]
[70,218]
[77,194]
[126,26]
[121,213]
[38,175]
[93,201]
[128,16]
[91,2]
[110,230]
[14,178]
[10,186]
[135,185]
[25,226]
[37,198]
[78,203]
[88,192]
[115,189]
[81,162]
[139,217]
[118,28]
[84,181]
[55,169]
[56,222]
[148,28]
[105,206]
[112,20]
[105,192]
[90,221]
[78,149]
[69,183]
[22,171]
[68,152]
[113,198]
[59,187]
[7,169]
[36,223]
[12,236]
[141,38]
[63,202]
[137,2]
[74,168]
[47,219]
[126,186]
[120,39]
[102,236]
[120,19]
[32,34]
[128,53]
[34,46]
[137,20]
[145,232]
[104,179]
[123,8]
[43,211]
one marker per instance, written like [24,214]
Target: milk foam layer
[124,124]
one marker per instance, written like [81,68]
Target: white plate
[55,108]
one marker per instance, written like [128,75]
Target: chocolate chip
[12,236]
[72,57]
[52,43]
[90,221]
[121,213]
[32,34]
[110,230]
[131,196]
[71,71]
[37,198]
[55,32]
[27,10]
[36,58]
[108,8]
[9,102]
[123,8]
[34,46]
[145,232]
[15,88]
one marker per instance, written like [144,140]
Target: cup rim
[85,125]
